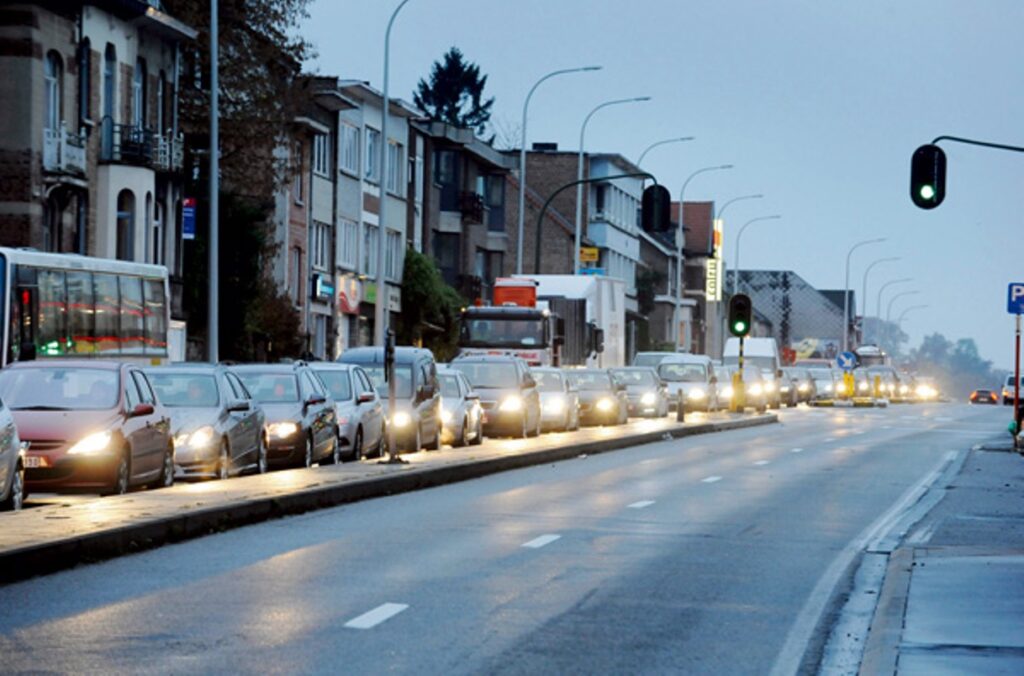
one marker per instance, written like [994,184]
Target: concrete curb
[39,559]
[881,650]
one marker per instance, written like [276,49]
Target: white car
[12,464]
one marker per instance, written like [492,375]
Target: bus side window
[156,317]
[107,316]
[51,310]
[80,313]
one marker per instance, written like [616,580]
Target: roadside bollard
[680,407]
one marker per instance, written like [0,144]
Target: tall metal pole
[1016,382]
[864,286]
[878,301]
[739,236]
[846,290]
[579,175]
[680,242]
[213,317]
[380,317]
[716,318]
[521,216]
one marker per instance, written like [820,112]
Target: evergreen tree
[454,93]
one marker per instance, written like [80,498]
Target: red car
[984,397]
[91,426]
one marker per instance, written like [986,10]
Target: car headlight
[401,419]
[696,394]
[904,389]
[727,392]
[95,443]
[785,388]
[804,387]
[862,387]
[282,430]
[554,405]
[756,389]
[840,388]
[769,387]
[446,416]
[511,404]
[649,399]
[201,437]
[828,388]
[890,387]
[604,404]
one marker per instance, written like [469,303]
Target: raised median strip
[57,536]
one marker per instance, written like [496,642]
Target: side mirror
[620,387]
[473,396]
[315,400]
[239,406]
[141,409]
[365,398]
[528,382]
[778,374]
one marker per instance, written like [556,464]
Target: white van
[760,353]
[689,374]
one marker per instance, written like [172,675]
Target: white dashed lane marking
[641,504]
[381,613]
[711,479]
[761,463]
[541,541]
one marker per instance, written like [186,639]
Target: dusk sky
[819,104]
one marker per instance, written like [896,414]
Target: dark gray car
[216,425]
[645,391]
[508,393]
[602,400]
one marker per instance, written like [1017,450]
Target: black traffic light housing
[655,208]
[928,176]
[741,315]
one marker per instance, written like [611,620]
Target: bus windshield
[502,332]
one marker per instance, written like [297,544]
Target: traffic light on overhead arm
[928,176]
[741,315]
[654,209]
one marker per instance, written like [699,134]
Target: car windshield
[500,332]
[489,375]
[590,380]
[821,374]
[549,381]
[60,389]
[648,359]
[403,380]
[271,388]
[635,377]
[683,373]
[449,386]
[185,389]
[338,382]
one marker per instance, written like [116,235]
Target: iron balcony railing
[138,145]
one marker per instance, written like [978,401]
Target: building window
[393,256]
[125,225]
[139,94]
[149,253]
[396,169]
[321,245]
[84,81]
[494,189]
[348,244]
[109,81]
[298,182]
[161,122]
[372,172]
[52,76]
[416,167]
[348,157]
[447,253]
[370,250]
[322,155]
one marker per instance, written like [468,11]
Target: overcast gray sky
[818,103]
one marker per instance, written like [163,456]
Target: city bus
[67,305]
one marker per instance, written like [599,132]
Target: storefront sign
[188,218]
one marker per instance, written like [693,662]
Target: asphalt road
[690,556]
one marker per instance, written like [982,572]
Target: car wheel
[418,441]
[335,457]
[121,476]
[261,456]
[166,478]
[381,449]
[357,446]
[524,433]
[224,462]
[16,498]
[478,438]
[307,461]
[463,433]
[540,425]
[435,443]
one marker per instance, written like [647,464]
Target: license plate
[35,461]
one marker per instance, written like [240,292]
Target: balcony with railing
[63,151]
[140,146]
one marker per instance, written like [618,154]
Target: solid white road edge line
[538,542]
[381,613]
[711,479]
[641,504]
[761,463]
[792,653]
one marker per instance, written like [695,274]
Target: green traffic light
[739,327]
[927,191]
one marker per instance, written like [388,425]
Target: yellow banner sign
[589,254]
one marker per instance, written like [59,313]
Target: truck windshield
[683,373]
[501,332]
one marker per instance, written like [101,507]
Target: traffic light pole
[1016,381]
[543,209]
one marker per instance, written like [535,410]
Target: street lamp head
[589,68]
[725,166]
[642,98]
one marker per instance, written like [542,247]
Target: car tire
[357,446]
[460,441]
[166,478]
[307,460]
[540,425]
[381,449]
[261,456]
[122,475]
[16,498]
[479,437]
[224,461]
[418,440]
[524,433]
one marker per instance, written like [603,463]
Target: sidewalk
[61,535]
[953,598]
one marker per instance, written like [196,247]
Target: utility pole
[213,309]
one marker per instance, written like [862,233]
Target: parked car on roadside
[91,426]
[559,400]
[12,463]
[646,393]
[824,383]
[651,359]
[688,376]
[216,425]
[301,425]
[801,384]
[755,395]
[462,416]
[602,400]
[1008,389]
[358,407]
[508,393]
[417,415]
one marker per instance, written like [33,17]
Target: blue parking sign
[1015,298]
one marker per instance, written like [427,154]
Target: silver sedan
[12,464]
[359,409]
[461,414]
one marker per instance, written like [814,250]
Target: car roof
[375,355]
[101,364]
[186,367]
[332,366]
[498,358]
[268,368]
